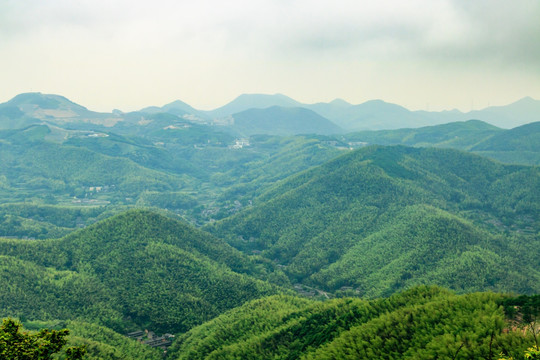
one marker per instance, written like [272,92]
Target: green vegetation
[190,171]
[421,323]
[137,269]
[519,145]
[17,344]
[363,230]
[46,221]
[424,245]
[100,342]
[459,135]
[279,157]
[522,138]
[37,167]
[382,219]
[515,146]
[44,340]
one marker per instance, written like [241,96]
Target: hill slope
[524,138]
[517,146]
[191,170]
[31,164]
[253,101]
[136,268]
[376,115]
[34,108]
[277,120]
[422,323]
[523,111]
[459,135]
[101,342]
[359,214]
[178,108]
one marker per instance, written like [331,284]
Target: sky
[421,54]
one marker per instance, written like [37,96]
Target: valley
[268,228]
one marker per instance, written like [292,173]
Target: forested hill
[525,138]
[47,170]
[30,162]
[422,323]
[461,135]
[137,269]
[381,219]
[519,145]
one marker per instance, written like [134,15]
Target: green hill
[100,342]
[354,222]
[518,145]
[42,221]
[142,151]
[422,323]
[425,245]
[459,135]
[170,128]
[31,165]
[190,171]
[11,117]
[273,158]
[48,170]
[35,108]
[524,138]
[137,269]
[283,121]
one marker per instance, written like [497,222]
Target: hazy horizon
[423,55]
[219,106]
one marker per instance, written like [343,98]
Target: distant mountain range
[31,108]
[239,116]
[99,215]
[254,101]
[278,120]
[378,114]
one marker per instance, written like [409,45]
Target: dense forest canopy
[421,323]
[235,242]
[381,219]
[138,265]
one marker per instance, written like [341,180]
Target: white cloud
[195,48]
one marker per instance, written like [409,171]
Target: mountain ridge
[258,101]
[370,115]
[284,121]
[313,219]
[141,265]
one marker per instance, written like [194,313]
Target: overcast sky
[422,54]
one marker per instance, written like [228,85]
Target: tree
[532,353]
[24,345]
